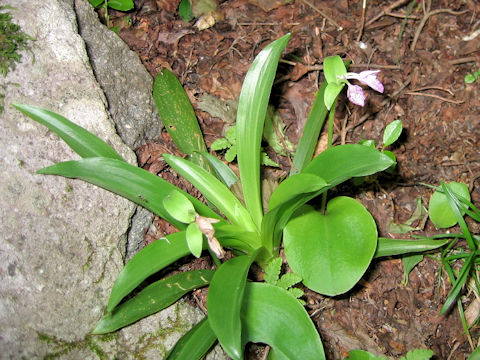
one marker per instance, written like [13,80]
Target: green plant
[418,354]
[120,5]
[12,41]
[471,78]
[239,311]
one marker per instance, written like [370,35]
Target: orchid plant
[328,249]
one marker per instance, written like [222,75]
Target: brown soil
[424,87]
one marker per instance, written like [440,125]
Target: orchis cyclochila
[355,93]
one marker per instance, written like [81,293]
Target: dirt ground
[423,72]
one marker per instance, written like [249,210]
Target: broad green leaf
[231,153]
[252,107]
[331,92]
[194,344]
[273,316]
[194,239]
[121,5]
[418,354]
[363,355]
[287,197]
[185,11]
[235,237]
[409,262]
[392,247]
[311,131]
[213,190]
[334,66]
[224,302]
[153,298]
[475,355]
[131,182]
[221,170]
[368,143]
[96,3]
[392,132]
[331,251]
[81,141]
[179,207]
[439,209]
[177,114]
[470,79]
[146,262]
[340,163]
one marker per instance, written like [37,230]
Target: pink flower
[368,77]
[356,95]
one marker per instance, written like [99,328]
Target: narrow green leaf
[311,131]
[177,114]
[194,239]
[392,132]
[273,316]
[153,298]
[342,162]
[252,108]
[146,262]
[333,66]
[121,5]
[213,190]
[129,181]
[80,140]
[194,344]
[221,170]
[179,207]
[224,303]
[392,247]
[459,283]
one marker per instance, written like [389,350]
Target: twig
[386,10]
[456,102]
[340,28]
[427,15]
[463,60]
[402,16]
[267,24]
[362,24]
[353,66]
[432,88]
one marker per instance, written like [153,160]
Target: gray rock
[124,80]
[63,241]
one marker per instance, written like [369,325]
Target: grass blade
[153,298]
[80,140]
[129,181]
[252,108]
[391,247]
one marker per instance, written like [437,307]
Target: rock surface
[63,241]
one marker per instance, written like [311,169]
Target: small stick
[386,10]
[362,24]
[432,88]
[323,14]
[463,60]
[267,24]
[427,15]
[456,102]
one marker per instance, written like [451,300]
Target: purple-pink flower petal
[369,77]
[356,95]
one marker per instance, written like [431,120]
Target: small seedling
[120,5]
[471,78]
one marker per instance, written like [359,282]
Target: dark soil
[424,87]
